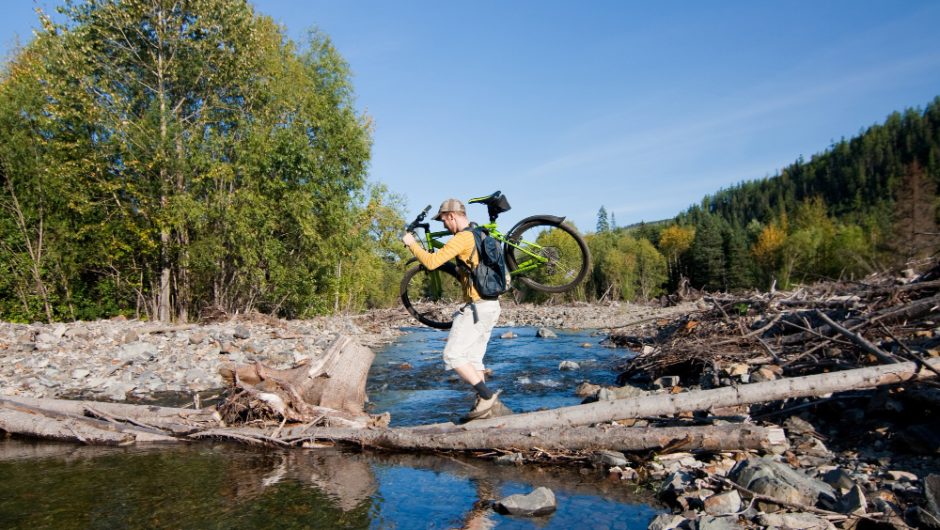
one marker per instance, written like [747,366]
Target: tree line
[164,158]
[863,204]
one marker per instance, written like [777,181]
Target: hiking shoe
[482,408]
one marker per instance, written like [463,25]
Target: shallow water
[205,485]
[409,380]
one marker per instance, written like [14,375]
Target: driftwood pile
[825,327]
[832,332]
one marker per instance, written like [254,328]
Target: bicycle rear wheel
[432,297]
[547,255]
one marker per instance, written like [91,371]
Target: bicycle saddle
[496,203]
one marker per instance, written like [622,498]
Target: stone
[137,352]
[508,335]
[710,522]
[736,369]
[80,373]
[667,381]
[778,480]
[512,459]
[609,458]
[797,425]
[902,475]
[46,338]
[545,333]
[723,503]
[129,336]
[676,483]
[586,389]
[198,337]
[666,521]
[587,345]
[812,446]
[619,392]
[647,349]
[838,478]
[932,493]
[853,502]
[625,473]
[569,365]
[541,501]
[795,521]
[241,332]
[922,518]
[763,374]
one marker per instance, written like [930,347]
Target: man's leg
[465,348]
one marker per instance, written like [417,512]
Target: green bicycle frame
[533,261]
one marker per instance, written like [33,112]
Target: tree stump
[333,385]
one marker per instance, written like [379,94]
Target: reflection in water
[222,485]
[45,485]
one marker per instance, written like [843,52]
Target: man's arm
[457,244]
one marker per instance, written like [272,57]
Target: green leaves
[183,154]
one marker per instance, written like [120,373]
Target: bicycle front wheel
[432,297]
[547,255]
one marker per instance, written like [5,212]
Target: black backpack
[490,277]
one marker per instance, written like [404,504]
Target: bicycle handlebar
[414,224]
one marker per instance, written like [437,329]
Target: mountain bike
[542,252]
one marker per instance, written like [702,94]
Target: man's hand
[408,239]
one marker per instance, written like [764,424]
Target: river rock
[512,459]
[775,479]
[137,352]
[609,458]
[586,389]
[241,332]
[508,335]
[569,365]
[666,521]
[545,333]
[796,521]
[853,502]
[723,503]
[710,522]
[540,502]
[619,392]
[839,478]
[667,381]
[932,493]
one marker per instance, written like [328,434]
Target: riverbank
[119,359]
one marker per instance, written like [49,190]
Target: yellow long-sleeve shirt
[461,246]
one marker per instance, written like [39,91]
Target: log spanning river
[222,485]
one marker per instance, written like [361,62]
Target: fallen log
[561,439]
[175,420]
[43,424]
[662,404]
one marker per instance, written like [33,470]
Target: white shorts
[467,340]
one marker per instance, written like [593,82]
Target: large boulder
[780,481]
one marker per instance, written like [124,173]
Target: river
[221,485]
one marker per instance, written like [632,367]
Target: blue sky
[643,108]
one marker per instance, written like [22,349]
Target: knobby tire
[566,268]
[426,306]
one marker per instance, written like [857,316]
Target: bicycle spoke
[548,256]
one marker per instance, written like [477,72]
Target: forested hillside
[864,204]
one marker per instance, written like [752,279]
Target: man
[474,323]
